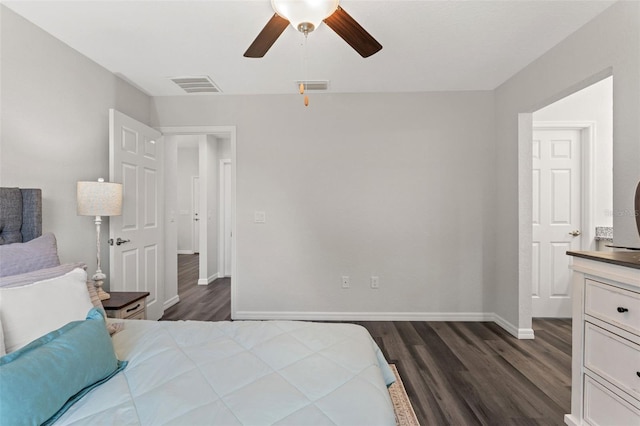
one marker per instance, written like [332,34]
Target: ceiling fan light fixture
[305,15]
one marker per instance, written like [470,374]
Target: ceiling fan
[305,16]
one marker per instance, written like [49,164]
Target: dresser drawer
[612,357]
[126,305]
[603,407]
[140,315]
[612,304]
[133,309]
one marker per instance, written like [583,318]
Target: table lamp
[99,199]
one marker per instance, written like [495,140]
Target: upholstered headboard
[20,215]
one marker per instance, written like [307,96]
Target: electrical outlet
[345,281]
[375,282]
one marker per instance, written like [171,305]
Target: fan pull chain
[304,70]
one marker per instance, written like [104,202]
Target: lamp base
[98,280]
[103,295]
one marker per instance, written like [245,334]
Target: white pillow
[31,311]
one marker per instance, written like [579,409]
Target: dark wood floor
[456,373]
[199,302]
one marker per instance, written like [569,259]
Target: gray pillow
[19,258]
[39,275]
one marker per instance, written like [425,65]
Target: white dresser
[606,339]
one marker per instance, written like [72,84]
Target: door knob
[575,233]
[120,241]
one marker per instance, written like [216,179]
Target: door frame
[221,208]
[525,200]
[226,131]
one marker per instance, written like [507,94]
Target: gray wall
[55,128]
[594,104]
[422,190]
[397,185]
[610,44]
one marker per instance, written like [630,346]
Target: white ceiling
[428,45]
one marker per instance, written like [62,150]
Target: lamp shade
[303,11]
[99,198]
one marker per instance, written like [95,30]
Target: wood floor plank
[455,373]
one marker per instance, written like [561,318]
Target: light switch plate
[259,217]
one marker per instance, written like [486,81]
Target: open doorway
[572,160]
[203,199]
[195,203]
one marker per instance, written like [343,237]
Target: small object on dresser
[126,305]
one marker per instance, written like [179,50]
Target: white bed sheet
[243,372]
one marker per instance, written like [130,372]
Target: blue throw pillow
[40,381]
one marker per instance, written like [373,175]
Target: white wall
[187,169]
[55,128]
[396,185]
[595,104]
[610,44]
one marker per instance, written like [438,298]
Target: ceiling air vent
[313,84]
[196,84]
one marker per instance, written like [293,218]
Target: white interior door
[556,218]
[225,214]
[135,160]
[195,201]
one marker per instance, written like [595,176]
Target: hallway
[199,302]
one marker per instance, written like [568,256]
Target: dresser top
[120,299]
[630,259]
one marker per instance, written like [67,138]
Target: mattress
[241,373]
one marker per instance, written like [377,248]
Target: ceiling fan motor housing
[305,15]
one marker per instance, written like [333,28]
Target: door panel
[560,197]
[151,199]
[135,160]
[556,213]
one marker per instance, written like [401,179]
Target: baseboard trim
[365,316]
[209,280]
[186,252]
[520,333]
[571,420]
[169,303]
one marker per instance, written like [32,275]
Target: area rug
[405,416]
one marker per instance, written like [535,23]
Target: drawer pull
[138,305]
[622,310]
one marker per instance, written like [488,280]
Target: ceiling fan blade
[353,33]
[267,37]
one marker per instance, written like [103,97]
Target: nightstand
[126,305]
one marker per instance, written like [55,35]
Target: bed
[184,372]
